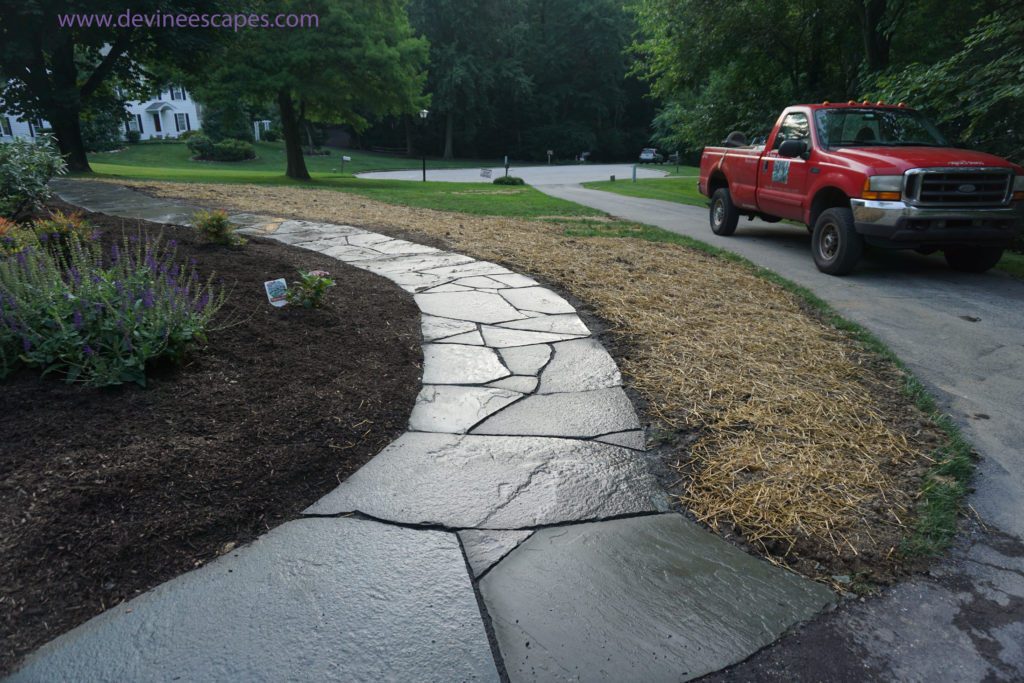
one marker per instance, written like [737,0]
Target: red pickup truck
[859,173]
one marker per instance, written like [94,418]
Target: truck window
[875,127]
[794,127]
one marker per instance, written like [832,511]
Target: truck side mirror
[793,148]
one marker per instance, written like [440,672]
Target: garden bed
[106,493]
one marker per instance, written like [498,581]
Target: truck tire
[972,259]
[835,244]
[723,215]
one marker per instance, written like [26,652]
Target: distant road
[533,175]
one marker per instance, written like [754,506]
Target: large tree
[56,72]
[361,62]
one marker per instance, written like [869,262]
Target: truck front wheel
[972,259]
[724,215]
[835,243]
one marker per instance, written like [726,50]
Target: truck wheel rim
[719,212]
[829,242]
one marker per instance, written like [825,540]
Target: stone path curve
[512,532]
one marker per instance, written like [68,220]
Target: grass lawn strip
[682,190]
[789,431]
[107,493]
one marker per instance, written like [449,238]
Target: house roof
[158,106]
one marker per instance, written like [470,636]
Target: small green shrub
[232,150]
[133,137]
[508,180]
[215,227]
[271,135]
[188,135]
[14,238]
[101,318]
[309,290]
[200,146]
[25,169]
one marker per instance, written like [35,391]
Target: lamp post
[424,113]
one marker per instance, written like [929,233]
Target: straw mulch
[785,431]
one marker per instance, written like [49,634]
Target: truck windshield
[876,128]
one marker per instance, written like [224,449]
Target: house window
[5,127]
[181,122]
[156,121]
[135,123]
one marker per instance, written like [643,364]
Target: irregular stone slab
[578,414]
[485,548]
[579,365]
[449,288]
[481,282]
[297,236]
[461,364]
[515,280]
[455,409]
[565,323]
[370,239]
[314,599]
[436,328]
[496,482]
[526,360]
[475,268]
[472,338]
[634,439]
[415,263]
[538,299]
[520,383]
[480,307]
[403,247]
[350,254]
[649,599]
[503,338]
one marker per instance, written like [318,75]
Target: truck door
[782,183]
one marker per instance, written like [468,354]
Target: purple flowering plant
[100,316]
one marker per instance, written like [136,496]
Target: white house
[168,114]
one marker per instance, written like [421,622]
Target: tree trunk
[292,137]
[449,133]
[67,129]
[876,42]
[410,148]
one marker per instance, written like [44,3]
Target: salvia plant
[99,315]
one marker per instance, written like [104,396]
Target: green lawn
[672,189]
[171,162]
[1012,264]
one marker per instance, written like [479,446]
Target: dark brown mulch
[106,493]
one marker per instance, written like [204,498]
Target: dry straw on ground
[801,441]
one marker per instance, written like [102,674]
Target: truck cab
[863,173]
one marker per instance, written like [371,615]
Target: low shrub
[14,238]
[200,146]
[271,135]
[309,290]
[233,150]
[25,169]
[508,180]
[101,318]
[133,137]
[215,227]
[188,135]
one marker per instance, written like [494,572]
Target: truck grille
[959,188]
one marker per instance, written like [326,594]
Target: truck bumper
[901,225]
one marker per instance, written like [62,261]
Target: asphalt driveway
[533,175]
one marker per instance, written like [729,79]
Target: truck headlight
[1018,188]
[883,187]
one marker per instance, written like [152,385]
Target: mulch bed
[107,493]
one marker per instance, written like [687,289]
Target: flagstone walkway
[513,531]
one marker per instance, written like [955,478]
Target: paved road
[963,335]
[534,175]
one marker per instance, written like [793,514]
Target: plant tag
[277,292]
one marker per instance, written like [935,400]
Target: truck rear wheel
[724,215]
[835,244]
[972,259]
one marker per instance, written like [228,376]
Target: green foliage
[215,227]
[14,238]
[508,180]
[133,137]
[25,169]
[271,135]
[227,120]
[977,93]
[101,130]
[309,290]
[200,145]
[101,318]
[232,150]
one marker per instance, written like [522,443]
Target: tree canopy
[361,62]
